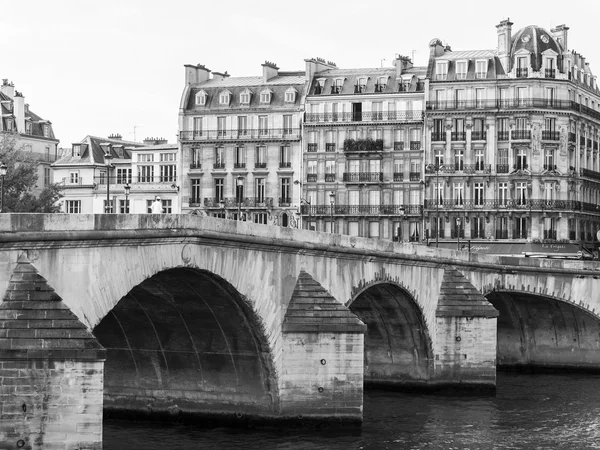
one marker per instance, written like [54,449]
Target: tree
[21,177]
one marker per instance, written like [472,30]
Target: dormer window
[245,97]
[265,97]
[481,68]
[522,66]
[461,70]
[361,85]
[337,86]
[46,130]
[381,84]
[28,127]
[76,150]
[290,95]
[201,98]
[224,98]
[441,70]
[320,87]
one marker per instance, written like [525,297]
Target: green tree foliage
[21,177]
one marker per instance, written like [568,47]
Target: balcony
[501,234]
[235,202]
[285,201]
[398,176]
[477,168]
[572,137]
[398,146]
[506,204]
[238,135]
[311,148]
[550,135]
[549,167]
[521,73]
[311,177]
[550,73]
[414,176]
[503,135]
[329,177]
[502,168]
[195,165]
[458,136]
[438,137]
[260,165]
[367,116]
[194,202]
[219,166]
[100,182]
[415,145]
[590,174]
[478,135]
[285,164]
[582,141]
[330,147]
[363,177]
[521,134]
[362,210]
[549,234]
[363,145]
[239,165]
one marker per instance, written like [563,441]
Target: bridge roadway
[218,317]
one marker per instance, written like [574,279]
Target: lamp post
[332,203]
[307,203]
[127,188]
[107,157]
[3,170]
[240,186]
[430,168]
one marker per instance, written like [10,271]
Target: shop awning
[554,250]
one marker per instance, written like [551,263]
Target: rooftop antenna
[382,60]
[134,127]
[413,56]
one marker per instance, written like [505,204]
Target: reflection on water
[529,411]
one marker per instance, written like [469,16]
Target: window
[219,189]
[9,124]
[520,231]
[149,206]
[459,197]
[261,157]
[46,130]
[479,159]
[374,198]
[354,198]
[74,178]
[263,125]
[242,125]
[224,98]
[285,157]
[439,192]
[221,123]
[285,190]
[550,93]
[196,162]
[145,157]
[28,127]
[549,228]
[265,97]
[261,218]
[219,158]
[413,230]
[145,174]
[338,86]
[259,189]
[548,158]
[522,96]
[195,189]
[521,188]
[377,110]
[502,193]
[459,158]
[312,167]
[168,173]
[167,206]
[245,97]
[123,175]
[502,227]
[76,150]
[375,166]
[201,98]
[102,178]
[521,159]
[461,70]
[197,126]
[522,66]
[503,98]
[290,96]
[108,207]
[481,69]
[361,84]
[124,206]
[439,158]
[373,229]
[239,157]
[478,194]
[47,176]
[480,98]
[478,227]
[73,206]
[441,70]
[381,84]
[287,124]
[549,192]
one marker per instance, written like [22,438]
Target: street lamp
[3,170]
[240,186]
[332,203]
[127,188]
[107,157]
[307,203]
[431,168]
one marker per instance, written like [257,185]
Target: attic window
[76,150]
[245,97]
[290,95]
[9,125]
[481,68]
[461,70]
[224,98]
[337,86]
[46,131]
[265,97]
[320,87]
[441,70]
[28,127]
[361,85]
[381,84]
[201,98]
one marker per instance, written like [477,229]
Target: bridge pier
[323,351]
[51,370]
[465,350]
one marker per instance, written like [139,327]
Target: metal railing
[522,73]
[195,165]
[415,145]
[503,135]
[254,133]
[285,164]
[521,134]
[502,168]
[398,145]
[329,177]
[588,173]
[312,148]
[363,177]
[438,137]
[550,73]
[361,210]
[458,136]
[398,176]
[234,202]
[330,147]
[124,179]
[311,177]
[414,176]
[367,116]
[550,135]
[478,135]
[518,204]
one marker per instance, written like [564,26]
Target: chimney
[155,141]
[314,65]
[7,88]
[19,110]
[270,70]
[504,29]
[116,136]
[196,74]
[436,48]
[222,75]
[560,34]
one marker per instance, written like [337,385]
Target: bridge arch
[186,340]
[398,345]
[537,331]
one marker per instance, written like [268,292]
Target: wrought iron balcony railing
[362,210]
[550,135]
[312,148]
[285,201]
[459,135]
[414,176]
[550,73]
[363,177]
[285,164]
[194,201]
[438,137]
[242,202]
[415,145]
[503,135]
[260,165]
[588,173]
[398,145]
[329,177]
[239,165]
[478,135]
[502,168]
[398,176]
[505,204]
[195,165]
[219,165]
[255,133]
[311,177]
[521,73]
[521,134]
[367,116]
[330,147]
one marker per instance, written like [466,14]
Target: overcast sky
[113,66]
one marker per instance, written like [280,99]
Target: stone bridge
[173,314]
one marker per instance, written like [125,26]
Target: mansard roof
[93,153]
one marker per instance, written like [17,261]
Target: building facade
[512,140]
[363,150]
[34,134]
[240,143]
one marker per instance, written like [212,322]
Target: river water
[528,412]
